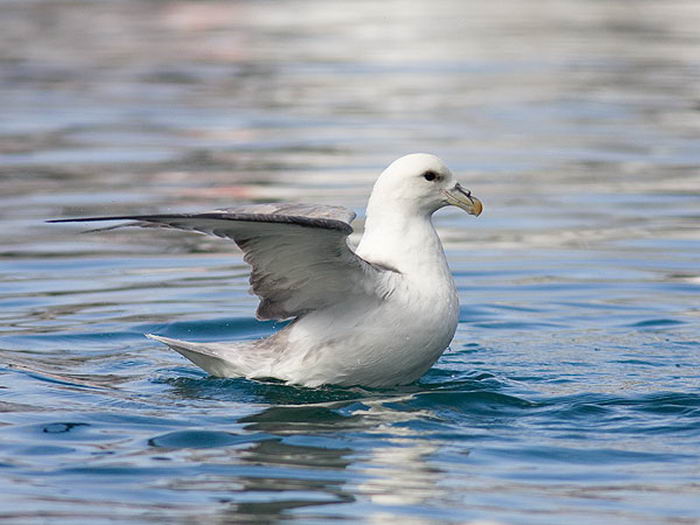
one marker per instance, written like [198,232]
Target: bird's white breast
[391,342]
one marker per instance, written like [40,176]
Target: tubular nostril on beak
[466,193]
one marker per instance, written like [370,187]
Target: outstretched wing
[299,253]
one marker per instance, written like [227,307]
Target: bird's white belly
[391,344]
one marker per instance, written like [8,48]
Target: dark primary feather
[299,254]
[171,219]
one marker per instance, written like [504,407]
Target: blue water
[571,392]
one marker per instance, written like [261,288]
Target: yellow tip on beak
[464,199]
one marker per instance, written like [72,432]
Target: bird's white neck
[403,241]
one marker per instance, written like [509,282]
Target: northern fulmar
[378,316]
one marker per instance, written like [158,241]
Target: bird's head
[422,183]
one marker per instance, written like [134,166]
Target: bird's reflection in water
[314,460]
[300,465]
[286,477]
[398,470]
[310,448]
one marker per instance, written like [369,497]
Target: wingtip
[93,219]
[81,219]
[88,219]
[161,339]
[85,219]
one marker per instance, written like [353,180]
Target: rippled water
[571,393]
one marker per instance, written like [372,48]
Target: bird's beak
[458,196]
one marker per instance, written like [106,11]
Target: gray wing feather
[299,254]
[311,211]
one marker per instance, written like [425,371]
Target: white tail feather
[216,359]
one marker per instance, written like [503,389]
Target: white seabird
[379,316]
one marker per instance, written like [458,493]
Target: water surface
[571,393]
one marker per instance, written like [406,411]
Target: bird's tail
[218,359]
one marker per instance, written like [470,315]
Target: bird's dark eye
[430,175]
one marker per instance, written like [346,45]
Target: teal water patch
[193,439]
